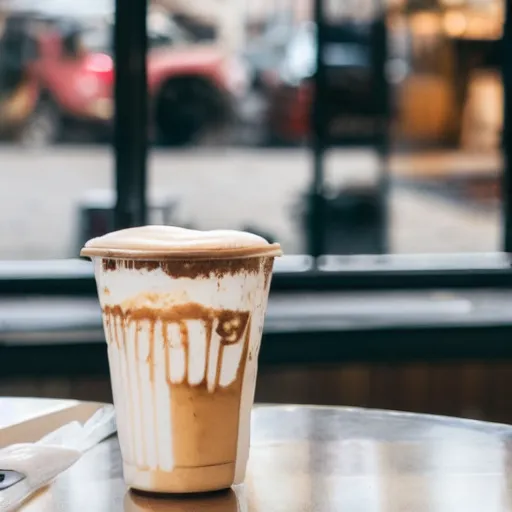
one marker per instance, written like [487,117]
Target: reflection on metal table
[325,460]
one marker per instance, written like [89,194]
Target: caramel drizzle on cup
[230,325]
[123,333]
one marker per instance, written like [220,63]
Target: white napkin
[42,461]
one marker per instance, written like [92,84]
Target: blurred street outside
[237,188]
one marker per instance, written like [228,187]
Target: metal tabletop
[325,459]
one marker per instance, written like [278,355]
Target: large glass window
[411,104]
[237,127]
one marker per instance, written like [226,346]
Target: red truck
[60,72]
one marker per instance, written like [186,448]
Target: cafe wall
[466,389]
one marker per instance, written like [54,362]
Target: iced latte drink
[183,315]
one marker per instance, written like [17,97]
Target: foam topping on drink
[170,241]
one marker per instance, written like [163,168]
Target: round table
[323,459]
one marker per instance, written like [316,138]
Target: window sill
[293,273]
[63,336]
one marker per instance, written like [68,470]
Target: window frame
[378,276]
[130,156]
[506,70]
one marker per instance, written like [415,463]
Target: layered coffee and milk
[183,314]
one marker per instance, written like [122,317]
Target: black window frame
[299,273]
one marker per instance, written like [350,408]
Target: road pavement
[41,191]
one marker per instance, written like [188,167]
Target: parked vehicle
[59,71]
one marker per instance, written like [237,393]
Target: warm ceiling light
[425,24]
[455,23]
